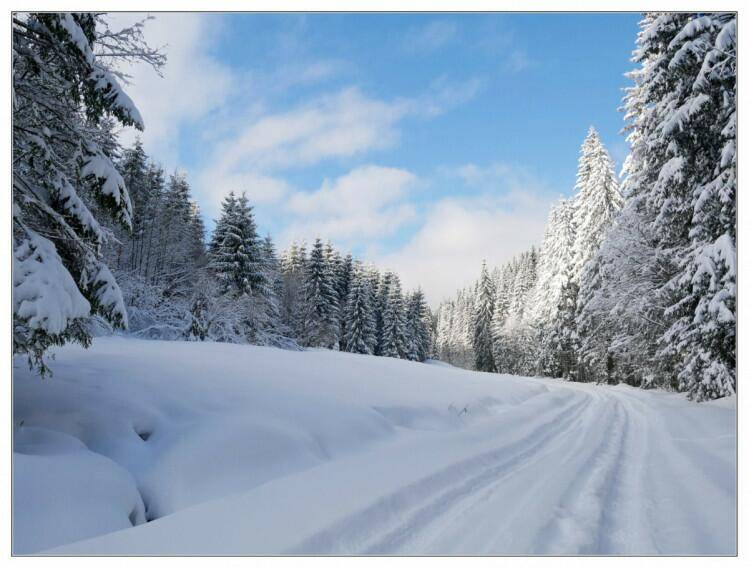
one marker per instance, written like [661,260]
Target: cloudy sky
[424,143]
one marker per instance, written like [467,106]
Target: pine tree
[381,300]
[360,325]
[321,323]
[64,90]
[702,132]
[418,327]
[597,202]
[484,313]
[393,321]
[236,254]
[344,276]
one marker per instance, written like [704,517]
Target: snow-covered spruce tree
[597,201]
[482,322]
[236,253]
[359,335]
[64,88]
[418,326]
[524,344]
[381,300]
[237,260]
[501,346]
[344,276]
[321,324]
[597,204]
[334,261]
[702,148]
[394,321]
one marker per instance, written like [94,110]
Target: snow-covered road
[599,471]
[516,466]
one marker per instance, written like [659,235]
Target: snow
[680,118]
[74,206]
[45,295]
[63,492]
[111,90]
[726,40]
[77,36]
[235,449]
[100,167]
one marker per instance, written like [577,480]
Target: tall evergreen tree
[702,148]
[418,326]
[64,90]
[381,300]
[344,276]
[321,323]
[393,321]
[360,330]
[236,253]
[484,313]
[597,202]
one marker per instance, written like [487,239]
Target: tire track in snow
[576,527]
[517,515]
[430,532]
[627,518]
[387,524]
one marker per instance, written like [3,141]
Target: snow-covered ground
[231,449]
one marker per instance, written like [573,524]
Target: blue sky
[422,142]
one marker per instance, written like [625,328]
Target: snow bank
[62,492]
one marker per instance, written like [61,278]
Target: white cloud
[194,82]
[369,201]
[505,217]
[338,125]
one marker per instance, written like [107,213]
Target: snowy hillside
[234,449]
